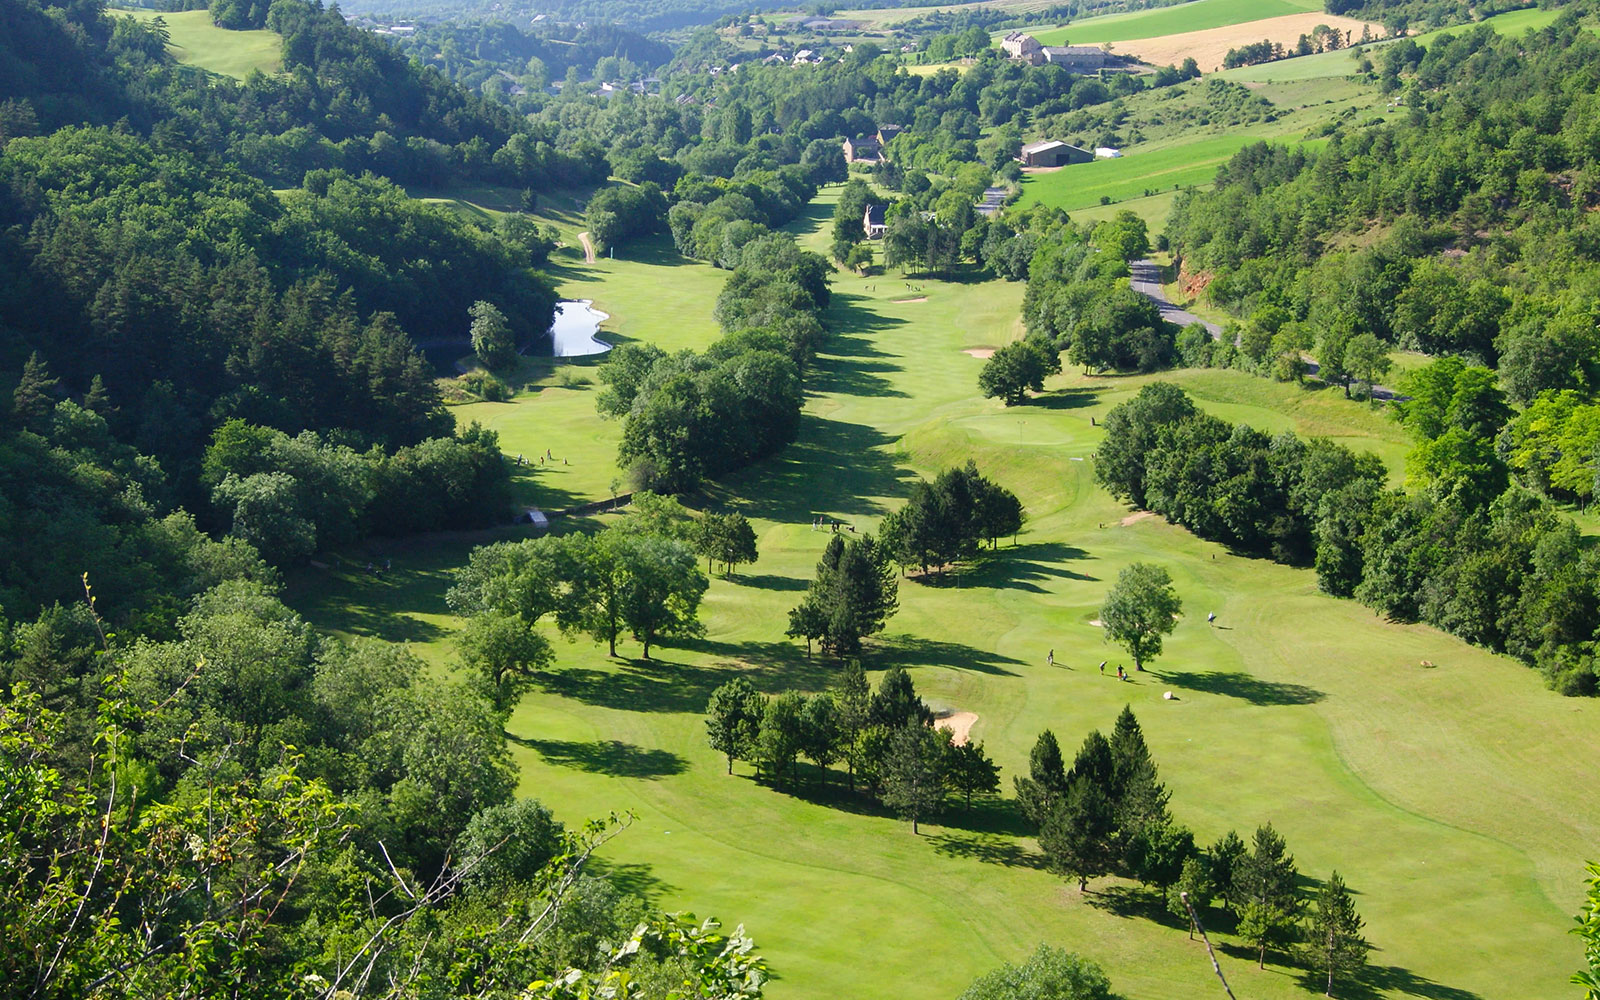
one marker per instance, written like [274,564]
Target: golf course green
[1456,798]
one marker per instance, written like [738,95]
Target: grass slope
[196,41]
[1197,15]
[1456,801]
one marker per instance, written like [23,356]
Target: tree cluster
[1494,565]
[945,521]
[290,497]
[1107,814]
[688,416]
[1079,299]
[639,577]
[249,807]
[886,739]
[852,596]
[1018,367]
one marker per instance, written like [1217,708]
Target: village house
[865,149]
[872,222]
[1073,58]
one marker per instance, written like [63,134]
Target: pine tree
[971,771]
[1264,883]
[1076,835]
[97,400]
[1336,942]
[854,701]
[1139,800]
[913,774]
[1046,782]
[897,704]
[33,400]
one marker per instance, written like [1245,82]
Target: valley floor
[1457,800]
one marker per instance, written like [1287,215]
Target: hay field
[1209,46]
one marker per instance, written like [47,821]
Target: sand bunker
[959,724]
[980,352]
[1137,517]
[1097,623]
[901,302]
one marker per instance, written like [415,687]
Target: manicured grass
[1457,801]
[1195,16]
[196,41]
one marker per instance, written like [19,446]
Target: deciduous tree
[1140,609]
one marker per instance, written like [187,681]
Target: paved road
[994,199]
[1145,276]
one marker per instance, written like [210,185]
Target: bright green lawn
[1197,15]
[1457,801]
[196,41]
[1137,174]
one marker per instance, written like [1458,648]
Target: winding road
[1145,277]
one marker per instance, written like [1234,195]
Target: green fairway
[1456,801]
[196,41]
[1197,15]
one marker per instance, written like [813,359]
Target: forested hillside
[1466,230]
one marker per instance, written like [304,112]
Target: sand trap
[959,724]
[980,352]
[1097,623]
[902,302]
[1137,517]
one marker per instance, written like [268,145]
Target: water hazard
[573,333]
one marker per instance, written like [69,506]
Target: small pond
[572,335]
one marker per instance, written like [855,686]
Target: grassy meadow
[1456,800]
[196,41]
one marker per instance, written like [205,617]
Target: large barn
[1052,153]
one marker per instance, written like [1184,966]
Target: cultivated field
[196,41]
[1198,15]
[1457,801]
[1208,47]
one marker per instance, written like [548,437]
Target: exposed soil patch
[959,724]
[980,352]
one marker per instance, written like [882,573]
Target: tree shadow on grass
[667,685]
[1135,901]
[910,650]
[1065,399]
[1236,684]
[1385,980]
[664,686]
[768,581]
[613,757]
[1017,567]
[989,848]
[833,467]
[635,878]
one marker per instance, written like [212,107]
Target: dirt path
[959,724]
[588,248]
